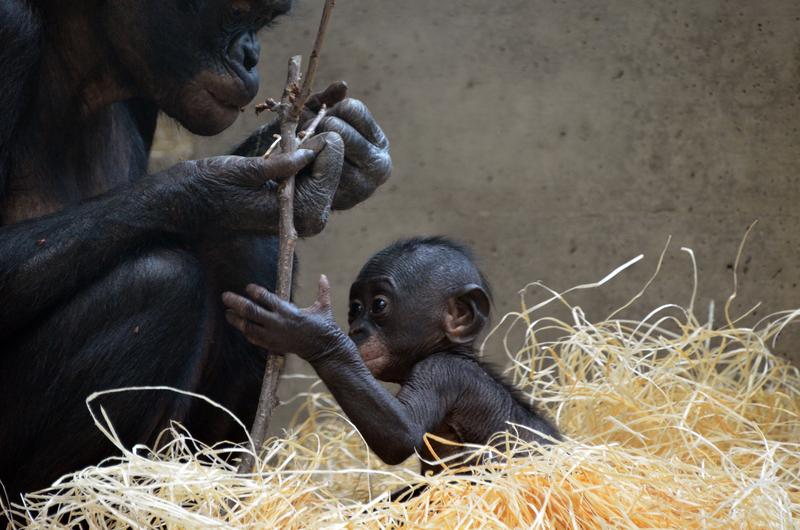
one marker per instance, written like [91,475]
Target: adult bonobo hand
[367,162]
[238,193]
[277,325]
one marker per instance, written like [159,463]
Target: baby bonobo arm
[392,427]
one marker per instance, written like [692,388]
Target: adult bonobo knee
[110,277]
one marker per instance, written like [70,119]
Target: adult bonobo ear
[467,313]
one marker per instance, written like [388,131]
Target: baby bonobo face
[406,306]
[392,325]
[372,303]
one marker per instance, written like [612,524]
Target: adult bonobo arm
[367,162]
[393,426]
[66,250]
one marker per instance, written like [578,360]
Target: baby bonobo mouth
[416,311]
[374,354]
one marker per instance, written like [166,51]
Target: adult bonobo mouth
[216,95]
[228,53]
[195,59]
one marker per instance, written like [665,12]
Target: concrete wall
[562,137]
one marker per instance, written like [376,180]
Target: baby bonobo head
[414,298]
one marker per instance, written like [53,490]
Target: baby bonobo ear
[467,313]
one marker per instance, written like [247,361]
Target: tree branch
[289,111]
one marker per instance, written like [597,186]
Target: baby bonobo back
[479,403]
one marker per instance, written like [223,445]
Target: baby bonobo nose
[358,334]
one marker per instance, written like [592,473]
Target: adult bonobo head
[414,298]
[196,59]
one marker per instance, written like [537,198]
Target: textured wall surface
[562,137]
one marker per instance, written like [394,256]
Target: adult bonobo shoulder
[111,277]
[416,309]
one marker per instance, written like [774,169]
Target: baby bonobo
[416,309]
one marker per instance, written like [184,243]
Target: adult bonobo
[110,277]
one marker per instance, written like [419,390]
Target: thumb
[332,95]
[278,167]
[324,292]
[287,165]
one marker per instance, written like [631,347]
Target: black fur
[408,246]
[110,277]
[20,35]
[98,294]
[417,308]
[523,399]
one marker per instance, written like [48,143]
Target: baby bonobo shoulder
[448,367]
[479,401]
[463,372]
[445,371]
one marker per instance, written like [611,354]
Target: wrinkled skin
[110,277]
[416,310]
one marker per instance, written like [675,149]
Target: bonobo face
[195,58]
[391,331]
[406,307]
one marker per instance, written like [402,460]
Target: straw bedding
[670,423]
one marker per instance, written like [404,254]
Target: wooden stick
[312,127]
[303,136]
[289,111]
[313,61]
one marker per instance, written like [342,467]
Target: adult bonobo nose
[243,57]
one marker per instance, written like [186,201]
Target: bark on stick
[289,111]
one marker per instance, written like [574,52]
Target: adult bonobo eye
[355,311]
[380,306]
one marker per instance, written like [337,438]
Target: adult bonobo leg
[125,315]
[110,277]
[157,335]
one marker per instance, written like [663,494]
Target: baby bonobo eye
[355,310]
[380,304]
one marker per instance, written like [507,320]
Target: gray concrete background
[562,137]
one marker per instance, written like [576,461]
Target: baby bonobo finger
[253,333]
[236,321]
[264,297]
[270,301]
[324,292]
[245,308]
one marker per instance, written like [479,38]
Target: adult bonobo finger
[359,151]
[356,114]
[332,95]
[330,155]
[315,191]
[277,167]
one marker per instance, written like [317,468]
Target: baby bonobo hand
[282,327]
